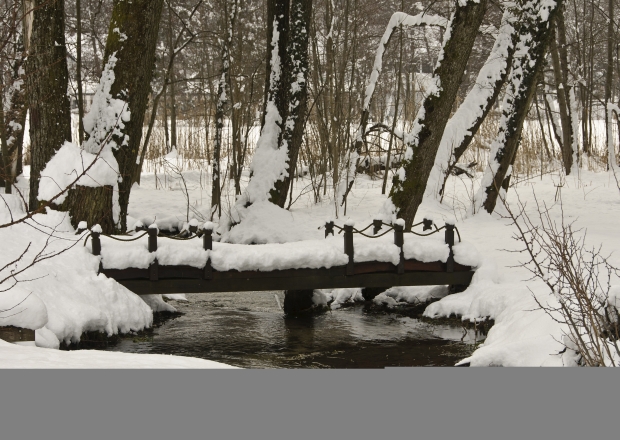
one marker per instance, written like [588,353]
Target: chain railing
[399,239]
[207,230]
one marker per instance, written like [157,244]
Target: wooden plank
[314,281]
[374,267]
[16,334]
[415,266]
[130,273]
[189,272]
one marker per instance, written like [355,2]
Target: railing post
[348,246]
[95,234]
[329,228]
[399,240]
[450,243]
[428,224]
[153,231]
[82,226]
[207,245]
[376,226]
[193,226]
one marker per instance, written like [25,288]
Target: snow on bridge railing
[150,256]
[399,240]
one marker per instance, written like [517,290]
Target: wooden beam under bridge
[186,279]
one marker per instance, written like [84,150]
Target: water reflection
[249,330]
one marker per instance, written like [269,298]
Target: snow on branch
[397,19]
[269,162]
[473,107]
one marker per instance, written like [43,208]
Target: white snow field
[65,297]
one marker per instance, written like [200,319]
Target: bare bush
[580,279]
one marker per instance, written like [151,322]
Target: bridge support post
[207,245]
[348,247]
[450,243]
[298,301]
[399,240]
[95,235]
[153,268]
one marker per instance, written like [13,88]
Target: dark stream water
[249,330]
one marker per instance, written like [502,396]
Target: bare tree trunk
[47,80]
[173,98]
[16,108]
[223,93]
[398,87]
[78,70]
[559,58]
[611,152]
[411,180]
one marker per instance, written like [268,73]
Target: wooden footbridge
[159,278]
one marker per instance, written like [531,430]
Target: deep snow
[77,300]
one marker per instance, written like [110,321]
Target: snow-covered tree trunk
[269,163]
[464,124]
[398,19]
[47,78]
[535,32]
[132,38]
[95,198]
[296,78]
[423,142]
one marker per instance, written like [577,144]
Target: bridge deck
[160,278]
[186,279]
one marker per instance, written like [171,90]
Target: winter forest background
[242,106]
[209,66]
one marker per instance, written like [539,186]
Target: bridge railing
[349,230]
[399,238]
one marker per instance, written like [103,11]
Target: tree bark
[132,36]
[78,69]
[559,58]
[223,92]
[47,78]
[411,180]
[92,205]
[611,152]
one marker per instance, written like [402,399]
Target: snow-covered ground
[501,290]
[63,296]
